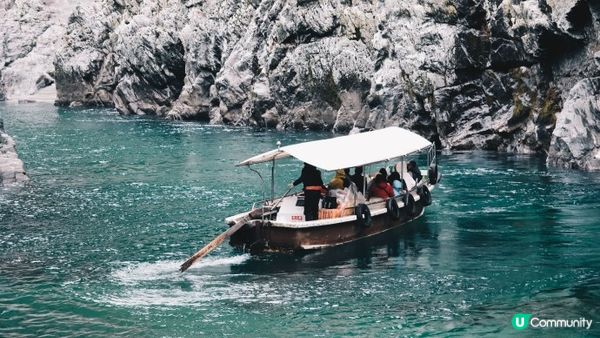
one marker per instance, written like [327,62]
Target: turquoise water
[91,246]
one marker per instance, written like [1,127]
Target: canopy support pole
[273,180]
[365,177]
[429,157]
[402,167]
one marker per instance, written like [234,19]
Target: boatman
[414,171]
[313,183]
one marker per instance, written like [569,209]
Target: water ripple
[92,244]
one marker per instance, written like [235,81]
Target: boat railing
[268,206]
[267,203]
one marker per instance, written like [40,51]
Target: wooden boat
[278,224]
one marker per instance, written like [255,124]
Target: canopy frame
[273,156]
[380,145]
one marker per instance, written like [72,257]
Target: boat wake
[161,284]
[133,273]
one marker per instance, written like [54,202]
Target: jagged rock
[208,38]
[576,138]
[31,32]
[313,91]
[490,74]
[11,167]
[468,74]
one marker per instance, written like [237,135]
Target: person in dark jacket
[358,178]
[394,176]
[313,183]
[383,172]
[347,180]
[414,171]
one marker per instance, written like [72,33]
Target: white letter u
[520,321]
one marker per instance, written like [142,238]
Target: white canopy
[349,151]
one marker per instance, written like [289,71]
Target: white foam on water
[213,261]
[475,172]
[160,284]
[494,210]
[202,295]
[133,273]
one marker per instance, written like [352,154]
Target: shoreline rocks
[12,169]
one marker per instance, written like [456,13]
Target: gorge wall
[30,34]
[517,76]
[11,167]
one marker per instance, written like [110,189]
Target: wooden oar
[214,244]
[222,237]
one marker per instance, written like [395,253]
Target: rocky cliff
[30,34]
[11,167]
[512,75]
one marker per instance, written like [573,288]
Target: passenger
[383,173]
[313,183]
[393,176]
[414,171]
[396,183]
[338,181]
[381,188]
[359,179]
[398,188]
[347,180]
[370,184]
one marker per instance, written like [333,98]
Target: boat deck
[376,206]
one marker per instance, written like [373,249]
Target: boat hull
[259,235]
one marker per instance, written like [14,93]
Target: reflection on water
[92,245]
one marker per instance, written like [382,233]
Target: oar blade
[186,265]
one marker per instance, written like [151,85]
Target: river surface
[92,244]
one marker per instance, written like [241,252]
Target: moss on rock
[551,106]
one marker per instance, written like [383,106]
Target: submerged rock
[11,167]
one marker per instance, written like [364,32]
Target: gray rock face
[30,33]
[490,74]
[11,167]
[148,57]
[576,138]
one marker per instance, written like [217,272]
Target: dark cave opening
[579,17]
